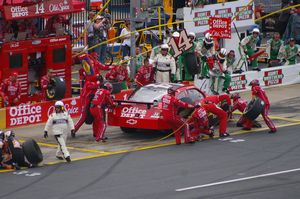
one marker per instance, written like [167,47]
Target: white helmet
[192,34]
[222,54]
[176,34]
[164,46]
[256,30]
[208,39]
[59,103]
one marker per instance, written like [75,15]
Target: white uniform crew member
[164,65]
[60,120]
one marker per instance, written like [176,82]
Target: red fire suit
[118,74]
[219,98]
[87,92]
[257,91]
[211,107]
[99,102]
[170,105]
[12,92]
[200,122]
[145,75]
[45,80]
[239,104]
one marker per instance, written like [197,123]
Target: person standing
[101,100]
[274,46]
[165,66]
[248,47]
[60,121]
[145,75]
[45,84]
[100,33]
[11,90]
[177,4]
[290,52]
[258,92]
[126,44]
[90,31]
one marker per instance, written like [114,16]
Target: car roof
[165,85]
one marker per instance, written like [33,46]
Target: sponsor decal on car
[155,115]
[133,112]
[273,77]
[131,121]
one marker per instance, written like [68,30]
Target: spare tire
[32,151]
[57,89]
[191,63]
[254,109]
[17,154]
[186,112]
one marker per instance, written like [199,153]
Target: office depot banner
[220,27]
[28,114]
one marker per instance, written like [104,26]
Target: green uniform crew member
[273,47]
[290,52]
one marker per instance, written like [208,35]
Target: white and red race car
[142,109]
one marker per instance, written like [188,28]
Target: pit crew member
[145,75]
[257,91]
[60,121]
[165,66]
[119,73]
[11,90]
[290,52]
[170,105]
[45,83]
[101,100]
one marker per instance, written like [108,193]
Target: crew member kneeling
[101,100]
[60,120]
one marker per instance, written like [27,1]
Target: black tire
[128,130]
[213,120]
[17,154]
[57,90]
[186,112]
[191,63]
[254,109]
[89,118]
[108,58]
[32,151]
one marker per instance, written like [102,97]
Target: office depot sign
[28,114]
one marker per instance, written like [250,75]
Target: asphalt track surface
[162,172]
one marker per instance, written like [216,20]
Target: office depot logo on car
[19,11]
[24,114]
[133,112]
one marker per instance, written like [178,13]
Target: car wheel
[17,154]
[254,109]
[57,90]
[32,151]
[128,130]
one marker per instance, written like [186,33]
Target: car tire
[254,109]
[17,154]
[32,151]
[191,63]
[58,89]
[128,130]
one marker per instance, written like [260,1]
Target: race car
[142,109]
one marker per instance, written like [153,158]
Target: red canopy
[22,9]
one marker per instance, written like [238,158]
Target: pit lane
[284,112]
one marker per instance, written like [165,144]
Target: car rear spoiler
[133,102]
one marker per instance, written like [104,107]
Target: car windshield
[149,93]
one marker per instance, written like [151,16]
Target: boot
[68,159]
[224,135]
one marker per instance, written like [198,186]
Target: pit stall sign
[28,114]
[200,16]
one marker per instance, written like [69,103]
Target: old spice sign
[220,27]
[273,77]
[41,9]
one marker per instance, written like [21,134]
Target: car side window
[194,95]
[181,95]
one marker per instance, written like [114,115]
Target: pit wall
[268,77]
[30,114]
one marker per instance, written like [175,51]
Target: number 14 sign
[179,46]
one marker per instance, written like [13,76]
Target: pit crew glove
[73,133]
[45,134]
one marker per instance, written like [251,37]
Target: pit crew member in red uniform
[12,90]
[118,73]
[200,123]
[45,83]
[170,105]
[257,91]
[101,100]
[145,75]
[210,106]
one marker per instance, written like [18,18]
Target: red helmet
[235,96]
[108,86]
[254,82]
[171,90]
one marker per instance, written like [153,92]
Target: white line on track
[237,180]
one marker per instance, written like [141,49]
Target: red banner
[38,113]
[220,27]
[42,9]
